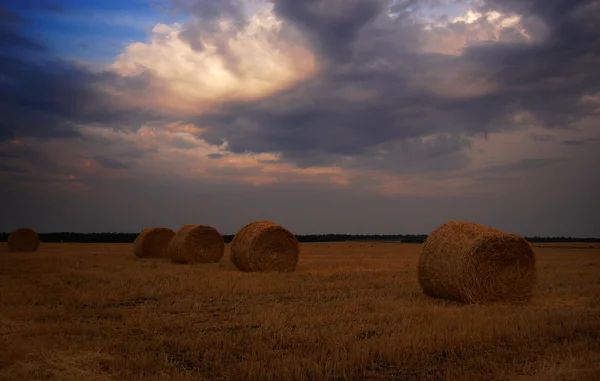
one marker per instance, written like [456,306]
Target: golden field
[351,311]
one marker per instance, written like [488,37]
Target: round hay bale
[263,247]
[474,263]
[153,243]
[196,244]
[23,240]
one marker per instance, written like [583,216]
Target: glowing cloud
[452,36]
[233,65]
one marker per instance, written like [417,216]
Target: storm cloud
[382,88]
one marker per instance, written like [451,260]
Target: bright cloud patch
[233,64]
[453,35]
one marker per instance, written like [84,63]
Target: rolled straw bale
[263,247]
[474,263]
[23,240]
[153,242]
[196,244]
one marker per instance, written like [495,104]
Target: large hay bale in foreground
[23,240]
[473,263]
[264,246]
[196,244]
[153,243]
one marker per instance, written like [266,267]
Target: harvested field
[350,311]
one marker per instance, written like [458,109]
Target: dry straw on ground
[23,240]
[153,243]
[196,244]
[264,246]
[473,263]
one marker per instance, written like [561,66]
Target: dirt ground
[351,311]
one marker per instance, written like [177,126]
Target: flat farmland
[351,311]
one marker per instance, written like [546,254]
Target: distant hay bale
[153,243]
[473,263]
[196,244]
[263,247]
[23,240]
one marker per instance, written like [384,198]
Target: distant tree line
[561,239]
[406,238]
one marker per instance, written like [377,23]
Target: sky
[324,116]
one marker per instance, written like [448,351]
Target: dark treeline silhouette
[406,238]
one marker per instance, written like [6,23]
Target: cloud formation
[236,64]
[353,99]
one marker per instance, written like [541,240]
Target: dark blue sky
[90,30]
